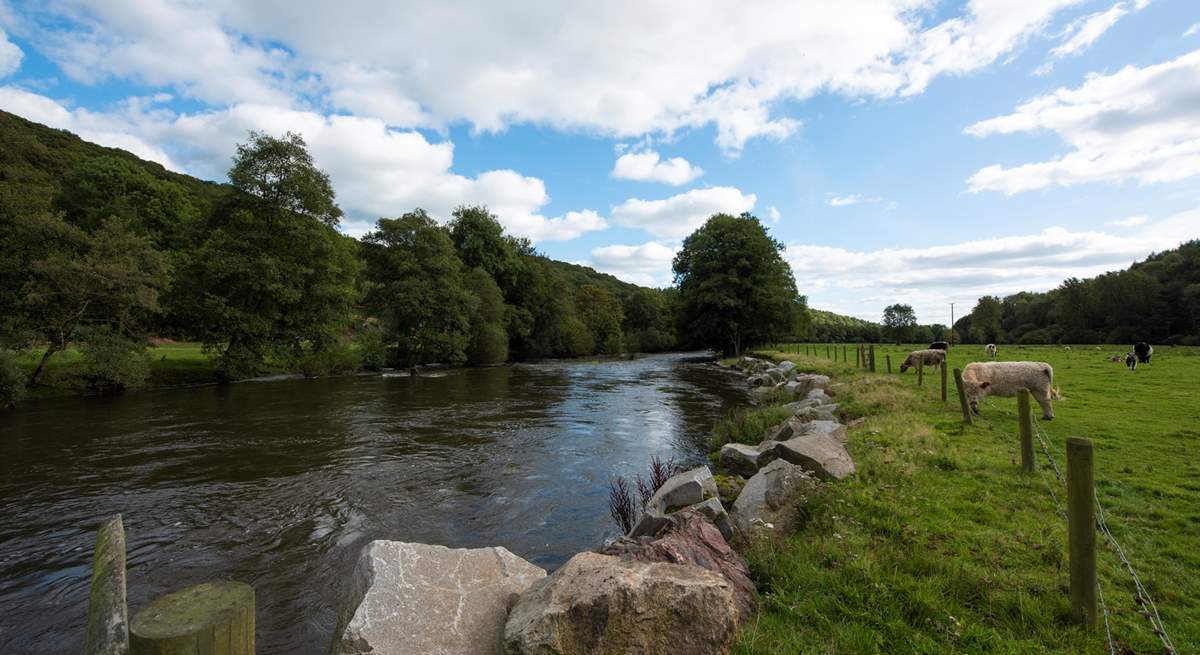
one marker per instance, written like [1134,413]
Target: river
[280,484]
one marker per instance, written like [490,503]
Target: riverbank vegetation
[941,544]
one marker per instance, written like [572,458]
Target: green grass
[940,544]
[171,364]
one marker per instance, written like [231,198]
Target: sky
[902,150]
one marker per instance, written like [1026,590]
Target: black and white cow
[1131,361]
[1143,351]
[939,345]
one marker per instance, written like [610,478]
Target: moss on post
[214,618]
[107,619]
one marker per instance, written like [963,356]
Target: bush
[111,362]
[334,358]
[747,426]
[489,345]
[372,351]
[12,379]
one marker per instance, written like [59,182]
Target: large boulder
[688,489]
[417,598]
[828,427]
[786,366]
[691,538]
[817,412]
[771,500]
[604,605]
[805,383]
[744,459]
[819,453]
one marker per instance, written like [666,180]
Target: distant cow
[939,345]
[929,358]
[1114,358]
[991,350]
[1131,361]
[981,379]
[1143,351]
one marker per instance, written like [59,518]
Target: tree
[489,336]
[480,242]
[735,289]
[101,187]
[281,175]
[938,331]
[601,312]
[986,320]
[416,286]
[898,322]
[272,277]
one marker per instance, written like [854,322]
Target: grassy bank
[171,364]
[940,544]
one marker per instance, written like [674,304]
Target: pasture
[942,544]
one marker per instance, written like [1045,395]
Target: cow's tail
[1055,394]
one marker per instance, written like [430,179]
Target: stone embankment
[674,584]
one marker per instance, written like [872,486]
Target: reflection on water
[280,484]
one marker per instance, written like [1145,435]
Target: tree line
[104,250]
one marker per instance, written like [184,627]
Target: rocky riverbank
[675,583]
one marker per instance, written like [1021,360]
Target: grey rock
[786,366]
[744,459]
[821,454]
[771,500]
[817,412]
[687,488]
[714,511]
[829,428]
[411,598]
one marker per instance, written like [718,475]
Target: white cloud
[681,214]
[623,69]
[376,170]
[10,55]
[835,200]
[861,283]
[1139,124]
[1192,31]
[1087,30]
[649,167]
[773,214]
[648,264]
[1128,221]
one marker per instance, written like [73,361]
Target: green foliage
[489,334]
[986,320]
[332,358]
[748,426]
[601,312]
[372,351]
[12,379]
[112,362]
[898,322]
[417,289]
[830,327]
[735,289]
[577,339]
[480,242]
[104,187]
[281,178]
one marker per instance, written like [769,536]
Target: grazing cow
[1114,358]
[991,350]
[939,345]
[928,358]
[982,379]
[1131,361]
[1143,351]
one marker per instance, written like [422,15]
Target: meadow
[171,364]
[941,544]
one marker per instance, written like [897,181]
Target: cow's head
[905,366]
[974,392]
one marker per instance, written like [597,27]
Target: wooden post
[1025,429]
[858,357]
[826,351]
[943,367]
[872,358]
[843,354]
[1081,531]
[962,396]
[214,618]
[107,619]
[920,372]
[888,359]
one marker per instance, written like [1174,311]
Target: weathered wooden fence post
[214,618]
[826,351]
[962,396]
[844,354]
[872,358]
[888,359]
[107,619]
[1025,426]
[858,356]
[943,367]
[920,372]
[1081,530]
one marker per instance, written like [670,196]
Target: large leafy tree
[899,321]
[987,320]
[416,286]
[735,289]
[272,277]
[601,312]
[489,336]
[480,242]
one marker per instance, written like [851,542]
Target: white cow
[991,350]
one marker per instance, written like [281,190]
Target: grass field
[171,364]
[941,544]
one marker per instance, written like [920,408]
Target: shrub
[334,358]
[111,362]
[489,345]
[372,351]
[12,379]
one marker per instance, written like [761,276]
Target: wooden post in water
[214,618]
[962,396]
[888,359]
[943,367]
[1025,429]
[107,630]
[1081,530]
[872,356]
[920,372]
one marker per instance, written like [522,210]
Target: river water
[280,484]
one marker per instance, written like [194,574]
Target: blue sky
[903,150]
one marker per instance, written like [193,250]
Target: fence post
[107,630]
[843,354]
[962,396]
[858,357]
[1081,530]
[1025,425]
[826,351]
[214,618]
[920,372]
[943,367]
[872,357]
[888,359]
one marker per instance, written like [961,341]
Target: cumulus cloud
[648,166]
[607,68]
[648,264]
[863,282]
[10,55]
[681,214]
[1140,124]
